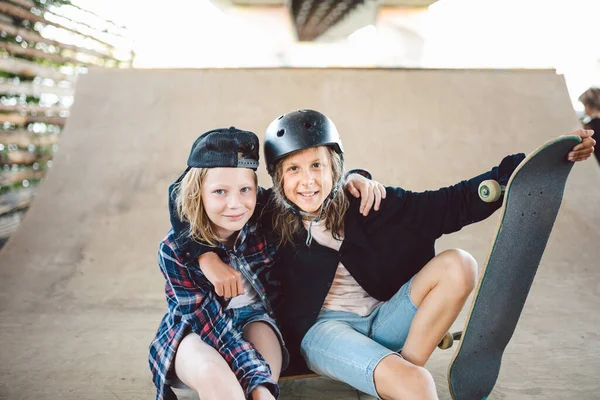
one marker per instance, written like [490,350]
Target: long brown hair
[287,224]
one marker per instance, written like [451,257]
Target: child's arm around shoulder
[359,183]
[226,280]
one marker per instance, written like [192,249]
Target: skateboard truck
[449,339]
[490,190]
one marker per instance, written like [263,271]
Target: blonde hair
[190,206]
[287,224]
[591,98]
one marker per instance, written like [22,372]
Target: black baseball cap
[225,147]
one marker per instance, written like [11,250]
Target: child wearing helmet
[222,347]
[365,299]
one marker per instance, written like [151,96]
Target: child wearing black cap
[223,347]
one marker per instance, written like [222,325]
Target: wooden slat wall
[37,77]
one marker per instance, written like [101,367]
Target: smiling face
[229,198]
[308,178]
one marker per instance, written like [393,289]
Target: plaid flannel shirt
[193,306]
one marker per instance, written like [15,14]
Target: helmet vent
[307,125]
[280,132]
[280,116]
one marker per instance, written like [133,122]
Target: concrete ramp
[80,292]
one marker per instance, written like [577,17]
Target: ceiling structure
[312,18]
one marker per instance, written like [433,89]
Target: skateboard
[532,198]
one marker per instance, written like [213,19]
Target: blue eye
[219,191]
[245,190]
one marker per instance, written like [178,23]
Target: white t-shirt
[345,293]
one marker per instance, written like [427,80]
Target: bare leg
[203,369]
[440,290]
[261,335]
[398,379]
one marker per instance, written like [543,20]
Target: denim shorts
[347,347]
[241,317]
[244,316]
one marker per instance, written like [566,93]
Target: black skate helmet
[299,130]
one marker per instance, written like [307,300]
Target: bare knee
[210,374]
[461,270]
[419,383]
[212,381]
[396,378]
[264,339]
[203,369]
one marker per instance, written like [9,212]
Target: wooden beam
[22,157]
[21,120]
[19,157]
[28,4]
[116,34]
[24,3]
[17,50]
[24,138]
[34,108]
[15,119]
[34,89]
[95,15]
[35,37]
[11,177]
[19,12]
[31,69]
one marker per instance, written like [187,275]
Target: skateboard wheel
[490,191]
[447,341]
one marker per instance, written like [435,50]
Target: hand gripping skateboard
[531,202]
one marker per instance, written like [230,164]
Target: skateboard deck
[531,202]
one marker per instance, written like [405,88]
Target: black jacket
[594,125]
[381,251]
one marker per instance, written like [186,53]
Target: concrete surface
[80,292]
